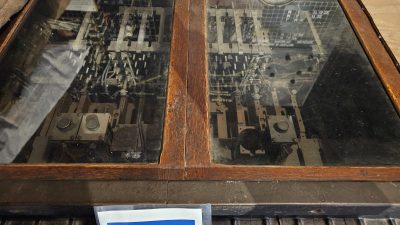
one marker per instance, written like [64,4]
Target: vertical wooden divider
[172,159]
[197,137]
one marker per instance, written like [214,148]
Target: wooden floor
[386,16]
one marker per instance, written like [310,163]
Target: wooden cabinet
[203,99]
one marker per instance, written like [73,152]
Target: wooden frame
[186,153]
[198,155]
[10,30]
[258,199]
[171,163]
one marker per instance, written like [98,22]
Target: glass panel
[289,84]
[86,84]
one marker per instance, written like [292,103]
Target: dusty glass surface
[289,84]
[86,85]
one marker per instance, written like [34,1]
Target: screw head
[92,122]
[64,123]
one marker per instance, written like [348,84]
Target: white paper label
[82,5]
[166,216]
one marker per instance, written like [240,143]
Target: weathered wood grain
[186,153]
[9,31]
[197,139]
[173,152]
[386,16]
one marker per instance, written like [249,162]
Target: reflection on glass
[87,86]
[290,85]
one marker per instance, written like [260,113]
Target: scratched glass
[289,84]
